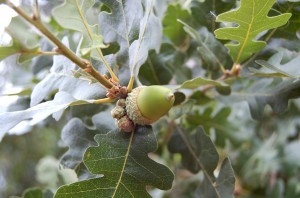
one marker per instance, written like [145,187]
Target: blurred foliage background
[256,125]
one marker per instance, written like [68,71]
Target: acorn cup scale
[146,104]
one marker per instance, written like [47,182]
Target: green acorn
[146,104]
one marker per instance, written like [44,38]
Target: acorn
[146,104]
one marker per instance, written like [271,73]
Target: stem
[130,84]
[62,48]
[112,74]
[103,100]
[36,9]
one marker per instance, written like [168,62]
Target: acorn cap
[146,104]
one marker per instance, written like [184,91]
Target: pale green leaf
[24,40]
[39,112]
[123,160]
[61,78]
[6,51]
[252,19]
[122,24]
[150,36]
[199,81]
[72,15]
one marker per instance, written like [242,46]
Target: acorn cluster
[143,106]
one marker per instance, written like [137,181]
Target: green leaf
[168,61]
[212,52]
[71,15]
[199,153]
[39,112]
[155,71]
[182,109]
[252,17]
[24,40]
[199,81]
[172,28]
[204,11]
[217,121]
[289,31]
[6,51]
[123,160]
[37,193]
[33,192]
[197,150]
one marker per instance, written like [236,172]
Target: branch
[62,48]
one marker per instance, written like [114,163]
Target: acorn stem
[130,84]
[103,100]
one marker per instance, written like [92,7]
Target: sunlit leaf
[252,18]
[199,81]
[24,40]
[123,160]
[61,78]
[39,112]
[150,36]
[72,15]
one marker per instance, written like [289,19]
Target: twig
[61,47]
[36,10]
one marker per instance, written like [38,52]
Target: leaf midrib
[191,150]
[123,168]
[247,35]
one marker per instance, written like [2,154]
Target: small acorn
[146,104]
[125,124]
